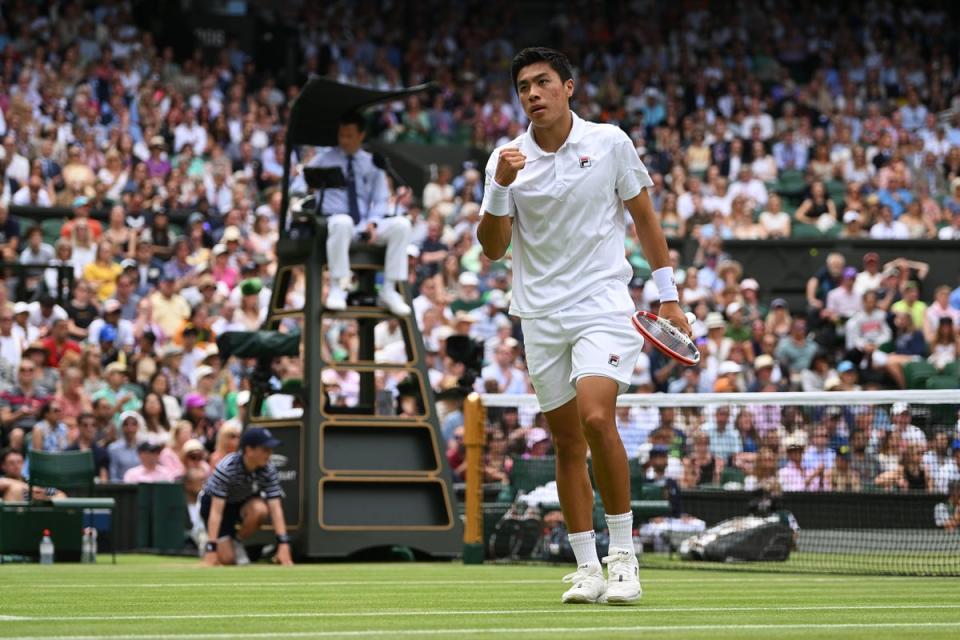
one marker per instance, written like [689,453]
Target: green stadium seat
[943,382]
[732,474]
[51,230]
[916,374]
[791,184]
[952,369]
[837,191]
[801,230]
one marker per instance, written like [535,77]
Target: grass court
[148,597]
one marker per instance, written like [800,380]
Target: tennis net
[859,481]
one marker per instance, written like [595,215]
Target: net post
[474,440]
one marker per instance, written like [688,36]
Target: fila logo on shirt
[584,162]
[614,360]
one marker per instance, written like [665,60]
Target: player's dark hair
[532,55]
[354,117]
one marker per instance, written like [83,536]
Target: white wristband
[497,199]
[666,284]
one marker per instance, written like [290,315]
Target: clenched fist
[510,162]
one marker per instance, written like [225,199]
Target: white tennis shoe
[623,577]
[394,302]
[588,586]
[240,553]
[336,300]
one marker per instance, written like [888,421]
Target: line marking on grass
[469,612]
[512,630]
[87,584]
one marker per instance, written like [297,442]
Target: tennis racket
[667,338]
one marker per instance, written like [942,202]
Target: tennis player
[558,192]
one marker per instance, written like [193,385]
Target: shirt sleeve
[271,486]
[219,481]
[379,196]
[632,175]
[488,180]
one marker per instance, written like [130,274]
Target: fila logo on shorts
[584,162]
[614,360]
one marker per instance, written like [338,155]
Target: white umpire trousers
[393,232]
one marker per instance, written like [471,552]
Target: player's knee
[569,446]
[258,510]
[598,426]
[340,224]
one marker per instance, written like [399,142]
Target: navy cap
[258,437]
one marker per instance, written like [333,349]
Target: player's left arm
[654,245]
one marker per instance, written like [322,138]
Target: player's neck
[551,137]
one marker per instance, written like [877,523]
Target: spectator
[20,405]
[124,452]
[797,349]
[149,469]
[50,433]
[87,441]
[947,514]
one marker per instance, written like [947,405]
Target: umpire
[237,498]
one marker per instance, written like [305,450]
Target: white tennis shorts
[592,337]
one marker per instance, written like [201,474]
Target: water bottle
[46,548]
[93,545]
[88,546]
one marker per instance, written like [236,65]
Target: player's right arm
[496,225]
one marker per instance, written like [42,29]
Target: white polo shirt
[568,215]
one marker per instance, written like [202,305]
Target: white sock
[621,531]
[585,548]
[335,286]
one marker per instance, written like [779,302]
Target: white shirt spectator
[895,230]
[190,134]
[22,198]
[37,319]
[844,303]
[752,189]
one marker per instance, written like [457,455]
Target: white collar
[532,150]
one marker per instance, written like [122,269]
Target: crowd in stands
[751,128]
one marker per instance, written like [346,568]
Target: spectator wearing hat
[42,313]
[843,302]
[195,458]
[538,444]
[718,343]
[115,393]
[250,314]
[853,225]
[468,295]
[763,367]
[728,375]
[124,453]
[241,494]
[792,476]
[902,422]
[157,164]
[205,381]
[149,469]
[81,217]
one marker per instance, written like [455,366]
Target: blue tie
[352,192]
